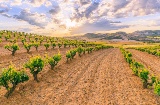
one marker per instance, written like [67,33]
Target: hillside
[144,36]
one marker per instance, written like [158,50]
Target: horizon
[64,18]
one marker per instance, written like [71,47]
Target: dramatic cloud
[32,18]
[118,4]
[91,8]
[80,16]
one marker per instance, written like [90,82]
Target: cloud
[88,14]
[55,8]
[91,8]
[32,18]
[16,2]
[3,8]
[1,1]
[54,11]
[36,3]
[83,2]
[118,4]
[124,8]
[98,25]
[85,9]
[6,15]
[48,3]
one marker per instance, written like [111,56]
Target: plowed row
[99,78]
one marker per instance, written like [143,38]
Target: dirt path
[150,61]
[100,78]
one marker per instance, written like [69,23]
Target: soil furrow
[150,61]
[76,77]
[84,86]
[99,78]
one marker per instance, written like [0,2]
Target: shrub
[79,50]
[13,77]
[13,48]
[36,45]
[53,44]
[157,89]
[144,76]
[65,44]
[23,41]
[27,46]
[73,53]
[46,45]
[35,65]
[7,37]
[53,61]
[59,45]
[89,49]
[135,66]
[68,55]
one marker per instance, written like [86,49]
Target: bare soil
[99,78]
[151,62]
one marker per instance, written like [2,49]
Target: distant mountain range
[146,36]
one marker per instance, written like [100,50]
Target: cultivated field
[102,77]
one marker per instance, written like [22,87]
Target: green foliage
[79,50]
[7,37]
[12,47]
[53,44]
[46,45]
[98,47]
[73,53]
[36,39]
[12,76]
[65,44]
[135,66]
[154,80]
[36,45]
[157,89]
[89,49]
[23,40]
[68,55]
[27,46]
[59,45]
[53,61]
[35,65]
[144,76]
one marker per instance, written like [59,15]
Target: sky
[74,17]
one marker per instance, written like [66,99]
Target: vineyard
[36,69]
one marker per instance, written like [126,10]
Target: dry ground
[99,78]
[149,61]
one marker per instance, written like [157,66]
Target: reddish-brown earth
[99,78]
